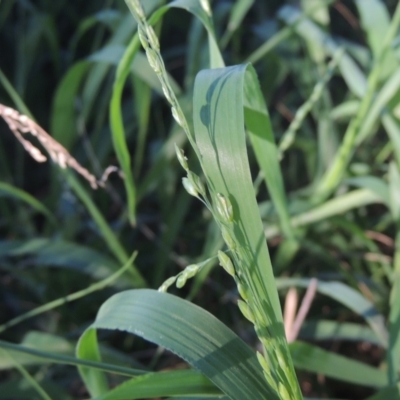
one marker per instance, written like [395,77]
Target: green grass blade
[62,254]
[7,190]
[391,392]
[33,356]
[30,379]
[349,298]
[185,329]
[71,297]
[237,14]
[109,236]
[375,20]
[194,7]
[224,101]
[335,331]
[315,359]
[352,74]
[338,205]
[63,114]
[393,353]
[173,383]
[117,126]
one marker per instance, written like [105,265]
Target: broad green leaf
[315,359]
[185,329]
[225,100]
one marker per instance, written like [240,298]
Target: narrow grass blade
[30,379]
[185,329]
[19,103]
[7,190]
[334,331]
[315,359]
[109,236]
[63,114]
[352,74]
[237,14]
[173,383]
[66,299]
[32,356]
[393,354]
[375,20]
[349,298]
[391,392]
[338,205]
[44,252]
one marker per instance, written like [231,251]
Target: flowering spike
[142,37]
[152,38]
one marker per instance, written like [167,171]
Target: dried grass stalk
[21,124]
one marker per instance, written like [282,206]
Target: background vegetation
[329,73]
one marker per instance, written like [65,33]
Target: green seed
[246,311]
[197,183]
[152,37]
[181,281]
[192,270]
[164,287]
[153,60]
[226,263]
[228,238]
[243,291]
[224,207]
[284,394]
[181,158]
[189,187]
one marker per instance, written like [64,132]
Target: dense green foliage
[79,264]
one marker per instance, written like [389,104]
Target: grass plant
[284,172]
